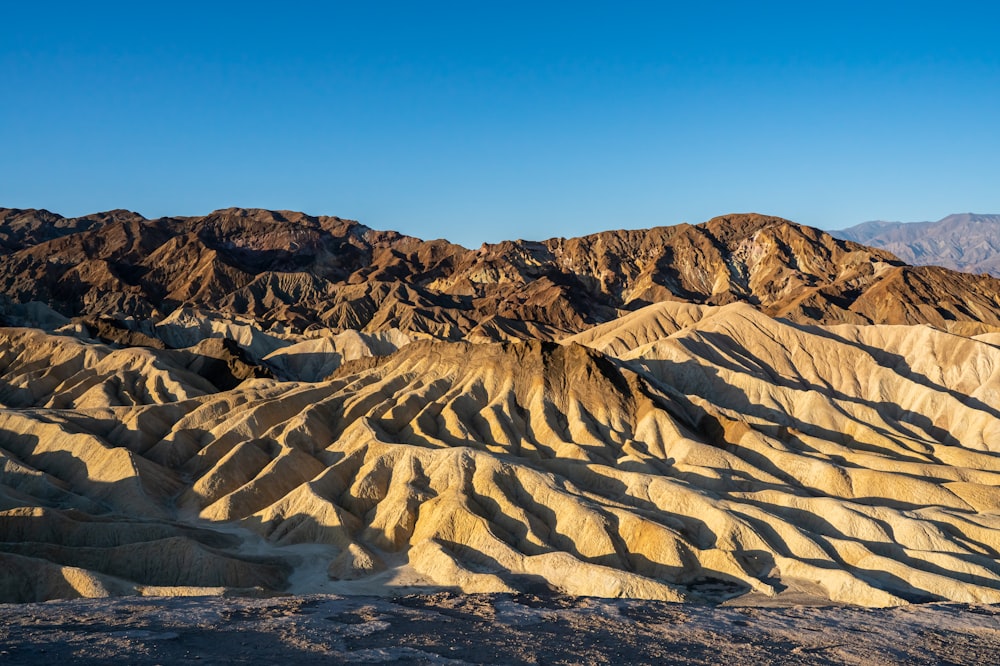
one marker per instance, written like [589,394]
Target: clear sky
[478,121]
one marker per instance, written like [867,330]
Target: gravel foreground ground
[488,629]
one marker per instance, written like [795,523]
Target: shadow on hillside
[881,580]
[68,518]
[897,364]
[820,529]
[725,352]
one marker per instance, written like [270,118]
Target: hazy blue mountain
[966,241]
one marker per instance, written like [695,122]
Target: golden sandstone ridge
[257,402]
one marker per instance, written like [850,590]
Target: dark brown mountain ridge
[298,271]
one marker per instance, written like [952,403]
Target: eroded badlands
[679,452]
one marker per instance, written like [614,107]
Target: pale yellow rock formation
[680,452]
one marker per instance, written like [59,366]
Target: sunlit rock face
[313,406]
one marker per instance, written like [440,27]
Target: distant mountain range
[964,242]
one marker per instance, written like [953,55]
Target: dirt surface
[488,629]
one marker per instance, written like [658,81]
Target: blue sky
[478,121]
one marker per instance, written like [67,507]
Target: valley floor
[449,628]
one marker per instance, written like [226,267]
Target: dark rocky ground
[488,629]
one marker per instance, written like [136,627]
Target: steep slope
[964,242]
